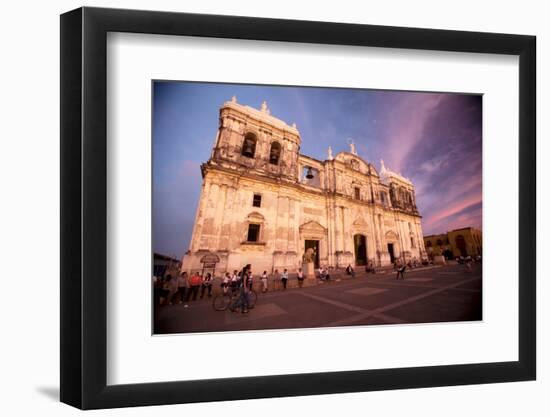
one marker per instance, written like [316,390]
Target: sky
[434,139]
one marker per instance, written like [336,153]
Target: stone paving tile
[367,291]
[445,306]
[261,311]
[420,279]
[474,285]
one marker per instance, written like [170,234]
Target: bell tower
[255,140]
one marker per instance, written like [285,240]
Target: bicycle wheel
[221,302]
[252,298]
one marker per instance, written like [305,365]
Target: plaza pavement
[443,294]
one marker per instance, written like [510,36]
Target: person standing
[468,263]
[158,291]
[264,281]
[284,278]
[196,281]
[234,282]
[300,276]
[172,287]
[182,286]
[249,280]
[225,282]
[206,285]
[276,277]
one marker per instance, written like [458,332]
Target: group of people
[183,288]
[232,282]
[186,287]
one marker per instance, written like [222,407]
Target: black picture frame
[84,207]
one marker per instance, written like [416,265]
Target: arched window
[249,145]
[254,232]
[275,153]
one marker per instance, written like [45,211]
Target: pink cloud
[413,113]
[453,210]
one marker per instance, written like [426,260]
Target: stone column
[291,226]
[420,237]
[281,235]
[346,229]
[330,232]
[382,227]
[291,250]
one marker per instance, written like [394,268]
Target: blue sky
[432,138]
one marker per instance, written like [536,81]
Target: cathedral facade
[264,203]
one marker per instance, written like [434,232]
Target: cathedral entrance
[313,244]
[360,245]
[391,252]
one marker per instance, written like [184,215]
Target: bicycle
[222,301]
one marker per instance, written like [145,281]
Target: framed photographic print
[311,207]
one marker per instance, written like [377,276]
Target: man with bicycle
[242,299]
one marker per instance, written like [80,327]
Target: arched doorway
[360,246]
[394,250]
[461,245]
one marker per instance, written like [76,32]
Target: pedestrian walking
[400,271]
[300,277]
[264,281]
[182,286]
[284,278]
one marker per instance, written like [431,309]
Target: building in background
[458,242]
[264,203]
[164,265]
